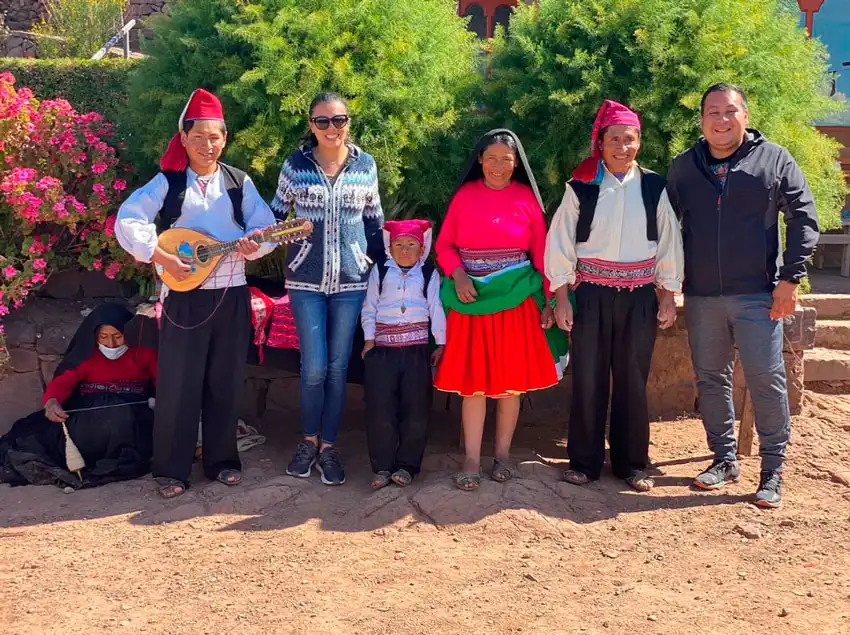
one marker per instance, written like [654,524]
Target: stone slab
[54,338]
[829,306]
[23,360]
[833,334]
[19,333]
[20,394]
[800,329]
[823,364]
[48,366]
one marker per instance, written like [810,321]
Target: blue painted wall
[832,27]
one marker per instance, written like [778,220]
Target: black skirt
[115,442]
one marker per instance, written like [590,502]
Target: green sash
[507,291]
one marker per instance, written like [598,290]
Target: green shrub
[564,57]
[402,65]
[89,86]
[83,26]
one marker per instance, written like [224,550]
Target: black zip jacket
[731,233]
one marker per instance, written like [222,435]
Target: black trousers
[201,372]
[612,338]
[398,389]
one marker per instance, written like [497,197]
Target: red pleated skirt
[496,355]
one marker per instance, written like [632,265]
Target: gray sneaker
[719,474]
[329,467]
[305,458]
[769,493]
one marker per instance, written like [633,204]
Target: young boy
[204,333]
[402,298]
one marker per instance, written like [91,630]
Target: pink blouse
[483,218]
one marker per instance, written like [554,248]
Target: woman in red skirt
[499,338]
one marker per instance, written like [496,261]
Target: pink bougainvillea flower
[9,271]
[39,263]
[99,168]
[98,187]
[119,185]
[109,226]
[97,264]
[38,278]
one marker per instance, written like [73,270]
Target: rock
[48,366]
[748,530]
[531,576]
[611,554]
[787,523]
[62,285]
[68,490]
[842,477]
[23,360]
[20,394]
[96,285]
[55,338]
[19,333]
[784,613]
[652,618]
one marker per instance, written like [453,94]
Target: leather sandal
[170,487]
[380,479]
[501,471]
[402,478]
[229,477]
[574,477]
[467,481]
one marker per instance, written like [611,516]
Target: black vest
[651,187]
[173,206]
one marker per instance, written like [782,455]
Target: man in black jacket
[728,190]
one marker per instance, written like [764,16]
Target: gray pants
[715,326]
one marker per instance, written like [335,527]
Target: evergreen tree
[403,66]
[564,57]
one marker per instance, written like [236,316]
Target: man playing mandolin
[204,332]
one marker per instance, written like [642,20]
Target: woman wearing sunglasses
[334,184]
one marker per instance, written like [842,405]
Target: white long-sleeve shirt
[403,289]
[617,234]
[210,212]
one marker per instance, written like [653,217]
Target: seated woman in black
[100,391]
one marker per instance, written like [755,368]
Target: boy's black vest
[427,272]
[651,187]
[173,206]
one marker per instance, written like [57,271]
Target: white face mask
[112,353]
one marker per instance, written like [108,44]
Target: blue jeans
[325,325]
[715,326]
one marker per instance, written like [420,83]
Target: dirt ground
[282,555]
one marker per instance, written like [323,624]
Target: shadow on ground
[268,499]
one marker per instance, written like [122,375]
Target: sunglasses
[339,121]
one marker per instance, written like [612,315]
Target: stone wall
[38,335]
[22,14]
[140,10]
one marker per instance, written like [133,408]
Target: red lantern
[810,7]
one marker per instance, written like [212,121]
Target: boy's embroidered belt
[622,275]
[413,334]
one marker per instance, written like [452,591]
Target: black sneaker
[330,468]
[719,474]
[305,458]
[769,493]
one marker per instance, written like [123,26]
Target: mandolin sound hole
[203,253]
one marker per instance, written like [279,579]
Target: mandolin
[203,253]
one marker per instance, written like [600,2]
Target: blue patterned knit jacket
[346,217]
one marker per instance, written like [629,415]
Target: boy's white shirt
[400,289]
